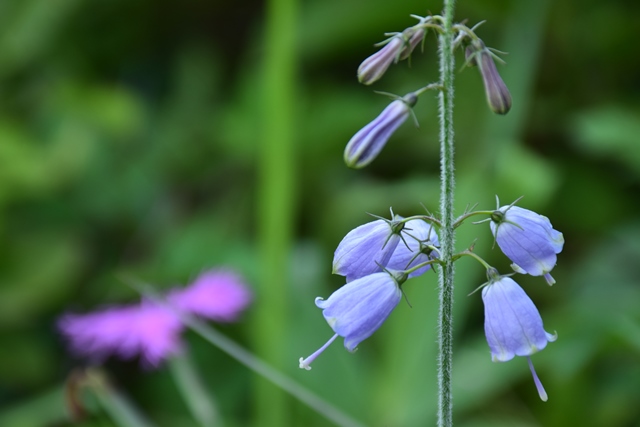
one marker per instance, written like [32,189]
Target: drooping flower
[419,244]
[365,145]
[512,323]
[397,48]
[367,248]
[528,239]
[148,330]
[497,93]
[358,309]
[219,295]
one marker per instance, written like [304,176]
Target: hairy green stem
[447,231]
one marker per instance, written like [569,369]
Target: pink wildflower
[216,294]
[151,330]
[147,329]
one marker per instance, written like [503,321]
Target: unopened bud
[498,96]
[374,67]
[414,38]
[470,57]
[365,145]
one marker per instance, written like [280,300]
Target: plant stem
[195,395]
[276,201]
[447,236]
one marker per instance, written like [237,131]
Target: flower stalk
[447,231]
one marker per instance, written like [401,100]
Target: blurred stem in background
[447,233]
[195,394]
[121,410]
[275,205]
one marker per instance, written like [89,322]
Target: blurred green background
[159,138]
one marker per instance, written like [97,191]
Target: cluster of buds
[377,258]
[367,143]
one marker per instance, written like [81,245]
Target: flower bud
[365,145]
[498,96]
[528,239]
[470,57]
[374,67]
[399,47]
[414,38]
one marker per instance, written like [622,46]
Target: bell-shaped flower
[512,324]
[497,93]
[528,239]
[358,309]
[419,244]
[367,248]
[365,145]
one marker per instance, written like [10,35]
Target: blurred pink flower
[152,330]
[146,329]
[219,295]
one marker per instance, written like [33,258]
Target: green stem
[462,218]
[447,231]
[268,372]
[121,410]
[472,255]
[275,205]
[193,391]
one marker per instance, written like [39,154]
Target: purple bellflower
[358,309]
[148,330]
[528,239]
[365,145]
[367,248]
[497,93]
[215,294]
[419,244]
[512,324]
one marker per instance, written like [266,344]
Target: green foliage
[130,136]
